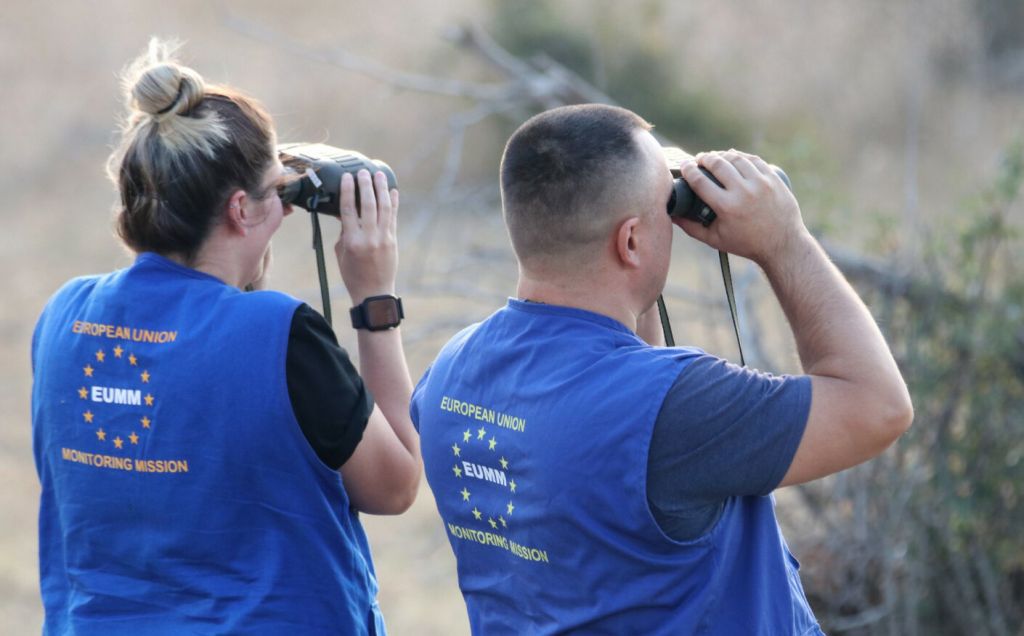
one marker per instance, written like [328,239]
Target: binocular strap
[666,326]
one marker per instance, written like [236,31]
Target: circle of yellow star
[83,393]
[134,438]
[88,416]
[145,423]
[118,351]
[477,513]
[465,494]
[457,471]
[148,399]
[145,376]
[88,371]
[101,435]
[118,442]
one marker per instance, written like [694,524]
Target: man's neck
[591,294]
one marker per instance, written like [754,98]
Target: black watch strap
[377,313]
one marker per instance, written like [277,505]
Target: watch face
[382,312]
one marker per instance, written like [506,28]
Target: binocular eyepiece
[683,201]
[314,175]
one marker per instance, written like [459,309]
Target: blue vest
[535,427]
[179,494]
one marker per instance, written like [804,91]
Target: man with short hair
[592,480]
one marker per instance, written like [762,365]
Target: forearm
[835,334]
[384,370]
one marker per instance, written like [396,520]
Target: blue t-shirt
[723,431]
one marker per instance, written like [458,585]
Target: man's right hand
[859,403]
[758,216]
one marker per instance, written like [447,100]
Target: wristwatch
[377,313]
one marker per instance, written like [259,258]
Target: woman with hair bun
[203,451]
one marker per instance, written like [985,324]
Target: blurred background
[901,125]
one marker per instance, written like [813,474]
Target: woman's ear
[235,212]
[626,242]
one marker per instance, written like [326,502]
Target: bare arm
[382,476]
[859,404]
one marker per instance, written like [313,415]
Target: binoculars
[684,202]
[314,171]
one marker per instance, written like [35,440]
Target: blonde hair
[185,147]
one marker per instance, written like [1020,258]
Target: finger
[759,163]
[394,209]
[706,189]
[719,166]
[367,199]
[743,165]
[349,218]
[380,185]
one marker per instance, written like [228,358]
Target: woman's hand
[367,249]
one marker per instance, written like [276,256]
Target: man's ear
[626,242]
[235,212]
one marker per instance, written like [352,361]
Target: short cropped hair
[185,147]
[564,174]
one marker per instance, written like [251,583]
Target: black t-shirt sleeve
[330,401]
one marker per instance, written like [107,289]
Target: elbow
[896,418]
[402,494]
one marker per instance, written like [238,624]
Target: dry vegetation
[891,103]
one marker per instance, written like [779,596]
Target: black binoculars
[684,202]
[314,175]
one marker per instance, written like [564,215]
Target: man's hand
[367,249]
[758,217]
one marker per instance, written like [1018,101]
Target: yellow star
[88,416]
[132,359]
[88,371]
[83,393]
[148,399]
[456,449]
[134,438]
[101,435]
[100,355]
[491,444]
[145,424]
[480,433]
[465,494]
[504,463]
[457,471]
[118,442]
[494,524]
[509,508]
[476,513]
[145,376]
[118,351]
[466,435]
[512,485]
[502,520]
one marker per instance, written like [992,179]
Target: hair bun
[160,87]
